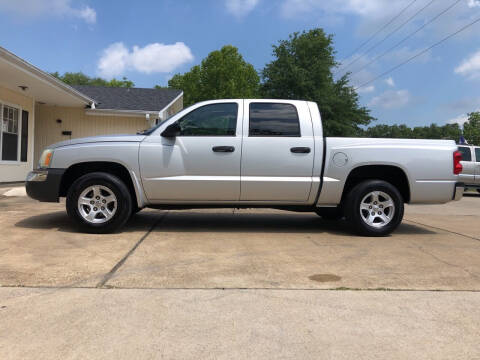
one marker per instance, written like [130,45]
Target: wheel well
[392,174]
[80,169]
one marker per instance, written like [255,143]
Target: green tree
[471,129]
[302,69]
[223,74]
[433,131]
[78,78]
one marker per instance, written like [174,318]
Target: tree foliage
[302,70]
[79,78]
[223,74]
[471,129]
[448,131]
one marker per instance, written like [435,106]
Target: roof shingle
[129,98]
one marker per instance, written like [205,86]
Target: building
[37,110]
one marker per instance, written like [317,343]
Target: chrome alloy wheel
[97,204]
[377,209]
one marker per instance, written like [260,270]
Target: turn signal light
[48,158]
[457,167]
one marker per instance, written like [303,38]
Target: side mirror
[172,130]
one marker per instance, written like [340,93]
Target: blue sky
[149,41]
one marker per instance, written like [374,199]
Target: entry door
[202,163]
[468,172]
[277,152]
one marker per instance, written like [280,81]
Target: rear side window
[466,153]
[273,119]
[477,154]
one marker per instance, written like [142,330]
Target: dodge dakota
[246,154]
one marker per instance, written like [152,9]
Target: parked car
[471,166]
[244,154]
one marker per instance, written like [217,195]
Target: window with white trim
[11,136]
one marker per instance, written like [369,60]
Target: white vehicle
[244,154]
[471,166]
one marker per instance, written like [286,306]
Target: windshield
[149,131]
[152,129]
[155,127]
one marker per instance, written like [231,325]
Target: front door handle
[300,150]
[223,149]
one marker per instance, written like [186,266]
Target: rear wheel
[99,202]
[374,208]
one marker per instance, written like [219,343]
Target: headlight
[45,159]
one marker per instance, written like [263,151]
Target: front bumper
[44,184]
[458,192]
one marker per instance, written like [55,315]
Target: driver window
[210,120]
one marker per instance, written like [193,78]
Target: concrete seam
[117,266]
[449,231]
[237,288]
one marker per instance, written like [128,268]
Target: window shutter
[24,144]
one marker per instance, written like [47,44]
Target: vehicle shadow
[60,221]
[191,222]
[281,222]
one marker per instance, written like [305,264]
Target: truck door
[277,151]
[201,163]
[477,165]
[468,173]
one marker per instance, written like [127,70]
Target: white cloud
[389,81]
[460,120]
[39,8]
[466,104]
[114,60]
[473,3]
[88,14]
[240,8]
[358,7]
[373,14]
[470,67]
[366,89]
[152,58]
[391,99]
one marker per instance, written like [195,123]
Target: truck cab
[234,151]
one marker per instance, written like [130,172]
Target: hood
[95,139]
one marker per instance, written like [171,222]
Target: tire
[478,190]
[99,203]
[331,214]
[374,197]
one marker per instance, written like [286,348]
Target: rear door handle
[223,149]
[300,150]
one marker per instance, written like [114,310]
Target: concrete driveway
[239,284]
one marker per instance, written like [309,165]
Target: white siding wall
[48,131]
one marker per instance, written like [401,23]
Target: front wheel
[374,208]
[99,202]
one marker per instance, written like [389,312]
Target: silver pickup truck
[245,154]
[470,175]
